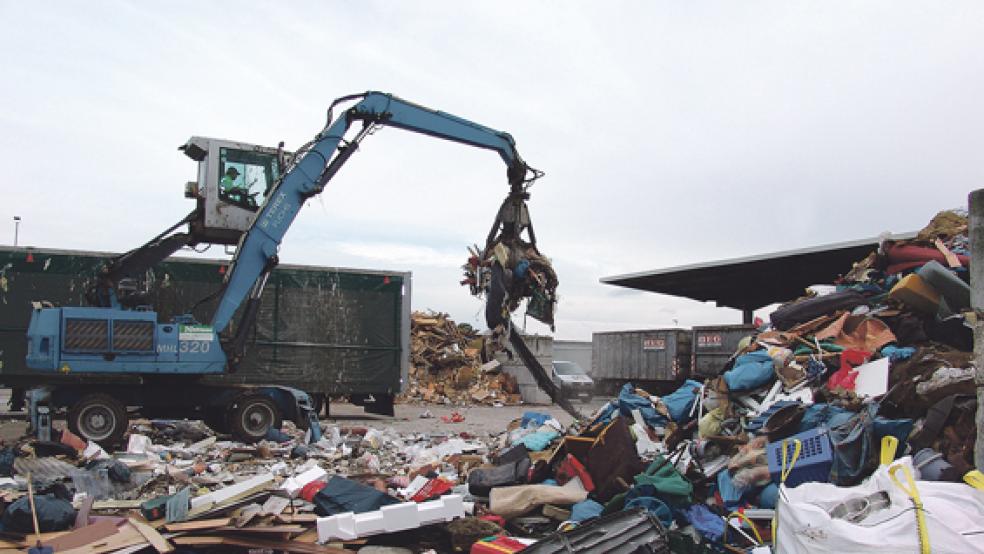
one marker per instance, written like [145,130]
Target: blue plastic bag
[679,402]
[750,372]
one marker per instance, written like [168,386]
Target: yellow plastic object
[975,479]
[783,473]
[746,519]
[913,494]
[889,446]
[916,293]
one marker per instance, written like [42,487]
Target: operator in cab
[227,183]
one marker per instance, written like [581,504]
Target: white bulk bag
[954,518]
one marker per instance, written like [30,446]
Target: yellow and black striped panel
[133,335]
[86,335]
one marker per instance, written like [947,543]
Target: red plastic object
[570,468]
[498,520]
[497,545]
[845,377]
[309,490]
[455,418]
[434,487]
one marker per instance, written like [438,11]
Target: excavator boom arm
[321,160]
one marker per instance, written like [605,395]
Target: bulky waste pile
[844,425]
[446,365]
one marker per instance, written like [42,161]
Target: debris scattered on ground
[844,425]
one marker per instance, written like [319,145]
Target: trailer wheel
[252,415]
[99,418]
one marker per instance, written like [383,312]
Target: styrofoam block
[293,485]
[389,519]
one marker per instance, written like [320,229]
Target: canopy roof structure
[754,281]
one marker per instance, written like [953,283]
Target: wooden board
[155,539]
[201,525]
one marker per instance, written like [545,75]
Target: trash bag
[799,312]
[115,469]
[54,514]
[342,495]
[680,402]
[482,480]
[7,456]
[750,372]
[854,449]
[539,440]
[628,400]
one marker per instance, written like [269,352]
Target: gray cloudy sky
[671,132]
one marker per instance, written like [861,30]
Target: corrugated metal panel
[648,355]
[713,345]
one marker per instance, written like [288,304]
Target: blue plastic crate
[814,461]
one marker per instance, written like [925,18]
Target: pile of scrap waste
[845,424]
[511,269]
[446,365]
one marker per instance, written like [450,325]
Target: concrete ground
[479,420]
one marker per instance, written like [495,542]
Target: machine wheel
[251,416]
[99,418]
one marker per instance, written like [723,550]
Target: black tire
[251,416]
[585,399]
[99,418]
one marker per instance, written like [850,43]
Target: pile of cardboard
[446,365]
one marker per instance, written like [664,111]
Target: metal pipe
[976,232]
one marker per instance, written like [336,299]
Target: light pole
[16,228]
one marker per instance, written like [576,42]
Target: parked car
[572,380]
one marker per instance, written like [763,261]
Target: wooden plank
[286,529]
[258,543]
[200,525]
[127,536]
[155,539]
[116,504]
[84,535]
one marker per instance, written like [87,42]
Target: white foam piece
[293,485]
[389,519]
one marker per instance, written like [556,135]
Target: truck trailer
[656,359]
[332,332]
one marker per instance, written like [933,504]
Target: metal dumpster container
[713,346]
[656,358]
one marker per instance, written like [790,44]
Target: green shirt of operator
[227,183]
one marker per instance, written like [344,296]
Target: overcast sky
[670,132]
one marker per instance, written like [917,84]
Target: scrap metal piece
[625,532]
